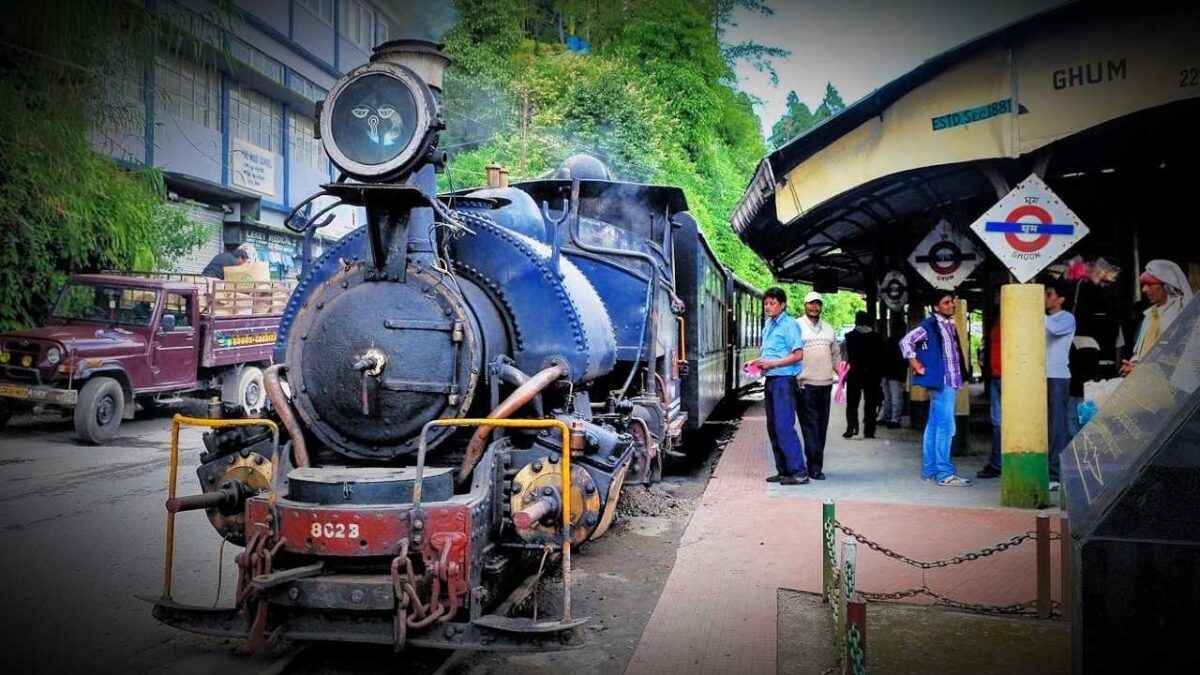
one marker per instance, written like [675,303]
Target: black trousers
[814,423]
[858,388]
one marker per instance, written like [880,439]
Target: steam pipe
[523,394]
[510,374]
[287,415]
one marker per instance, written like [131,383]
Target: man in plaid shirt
[933,351]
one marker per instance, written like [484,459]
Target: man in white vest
[821,359]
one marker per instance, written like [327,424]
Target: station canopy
[1100,100]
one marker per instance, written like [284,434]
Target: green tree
[65,77]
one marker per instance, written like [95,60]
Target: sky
[859,45]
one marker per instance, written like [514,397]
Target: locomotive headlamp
[379,121]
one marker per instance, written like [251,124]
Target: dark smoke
[422,19]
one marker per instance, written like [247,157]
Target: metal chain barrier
[1017,608]
[947,562]
[857,664]
[838,581]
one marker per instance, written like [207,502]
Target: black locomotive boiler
[585,318]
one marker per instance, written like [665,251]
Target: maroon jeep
[113,339]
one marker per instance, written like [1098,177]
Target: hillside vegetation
[652,98]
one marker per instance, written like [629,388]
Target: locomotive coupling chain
[946,562]
[410,611]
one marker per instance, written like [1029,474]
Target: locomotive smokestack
[423,57]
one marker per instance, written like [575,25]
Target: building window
[305,87]
[188,90]
[256,118]
[322,8]
[358,23]
[306,148]
[382,30]
[256,60]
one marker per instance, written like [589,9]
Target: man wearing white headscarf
[1166,287]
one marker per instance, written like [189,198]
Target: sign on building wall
[893,289]
[253,168]
[945,257]
[1029,228]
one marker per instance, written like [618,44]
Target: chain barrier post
[855,660]
[1043,565]
[827,560]
[849,565]
[1065,563]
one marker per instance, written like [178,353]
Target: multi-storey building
[229,114]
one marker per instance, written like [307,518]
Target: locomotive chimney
[423,57]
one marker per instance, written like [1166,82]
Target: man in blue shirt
[782,351]
[1060,331]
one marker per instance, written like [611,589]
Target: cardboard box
[255,271]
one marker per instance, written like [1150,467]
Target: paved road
[81,531]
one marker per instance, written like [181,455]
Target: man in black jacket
[865,354]
[216,267]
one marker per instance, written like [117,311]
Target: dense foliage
[63,207]
[652,98]
[798,118]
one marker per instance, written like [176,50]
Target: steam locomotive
[463,386]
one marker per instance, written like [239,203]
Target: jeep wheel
[244,390]
[6,414]
[98,413]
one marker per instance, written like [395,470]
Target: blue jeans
[1058,390]
[939,434]
[994,397]
[781,425]
[893,400]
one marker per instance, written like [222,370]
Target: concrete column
[962,406]
[1023,424]
[918,397]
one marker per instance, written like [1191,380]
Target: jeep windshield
[106,304]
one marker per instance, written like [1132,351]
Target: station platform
[748,539]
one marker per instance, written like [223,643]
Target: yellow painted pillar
[1023,426]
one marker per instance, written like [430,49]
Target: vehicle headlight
[26,360]
[54,355]
[5,357]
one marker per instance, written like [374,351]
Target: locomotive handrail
[564,466]
[682,341]
[177,422]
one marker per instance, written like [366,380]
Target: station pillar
[1024,481]
[962,406]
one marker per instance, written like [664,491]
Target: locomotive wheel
[244,389]
[98,413]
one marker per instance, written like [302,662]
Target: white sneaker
[1055,486]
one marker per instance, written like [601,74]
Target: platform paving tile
[717,612]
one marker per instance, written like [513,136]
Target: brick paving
[717,612]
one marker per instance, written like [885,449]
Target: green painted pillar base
[1024,480]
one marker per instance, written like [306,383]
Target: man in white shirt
[821,359]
